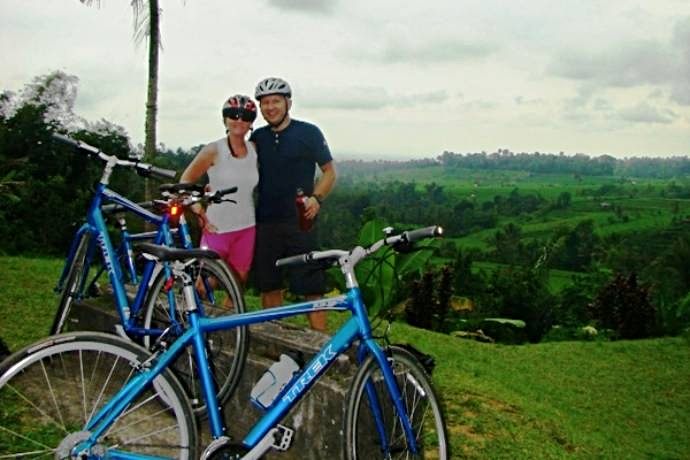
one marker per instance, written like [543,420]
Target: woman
[229,228]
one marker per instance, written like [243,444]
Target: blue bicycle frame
[356,328]
[125,252]
[95,225]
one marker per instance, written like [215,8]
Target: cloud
[399,49]
[367,98]
[642,62]
[680,88]
[521,100]
[646,113]
[307,6]
[635,63]
[480,105]
[435,51]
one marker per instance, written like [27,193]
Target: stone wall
[317,419]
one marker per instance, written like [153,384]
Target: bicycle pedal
[285,440]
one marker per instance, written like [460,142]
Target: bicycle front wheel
[368,400]
[75,279]
[219,294]
[50,390]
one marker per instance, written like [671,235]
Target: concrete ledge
[317,419]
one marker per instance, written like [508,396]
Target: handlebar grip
[226,191]
[164,173]
[293,260]
[428,232]
[217,196]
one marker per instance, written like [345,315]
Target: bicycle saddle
[164,253]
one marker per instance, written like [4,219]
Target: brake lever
[228,200]
[404,247]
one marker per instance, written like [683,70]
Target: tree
[509,248]
[563,201]
[519,293]
[575,249]
[47,187]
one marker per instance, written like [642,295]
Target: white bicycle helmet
[272,85]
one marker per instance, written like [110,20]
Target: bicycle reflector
[174,210]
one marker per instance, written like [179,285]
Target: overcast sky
[385,79]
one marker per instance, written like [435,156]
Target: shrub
[624,306]
[429,303]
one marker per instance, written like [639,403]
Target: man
[288,152]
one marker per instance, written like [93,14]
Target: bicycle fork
[380,355]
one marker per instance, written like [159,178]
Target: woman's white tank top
[228,171]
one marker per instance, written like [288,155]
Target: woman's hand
[204,223]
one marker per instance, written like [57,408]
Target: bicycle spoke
[140,405]
[21,436]
[52,395]
[104,386]
[38,409]
[83,384]
[32,453]
[133,442]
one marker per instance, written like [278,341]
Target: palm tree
[147,25]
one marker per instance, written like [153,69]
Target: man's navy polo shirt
[287,161]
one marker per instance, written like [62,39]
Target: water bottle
[301,205]
[273,381]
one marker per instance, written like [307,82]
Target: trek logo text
[317,365]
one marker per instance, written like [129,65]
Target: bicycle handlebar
[358,253]
[140,167]
[187,194]
[182,187]
[411,236]
[160,172]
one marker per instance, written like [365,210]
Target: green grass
[580,400]
[563,400]
[27,303]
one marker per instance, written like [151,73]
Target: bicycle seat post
[179,270]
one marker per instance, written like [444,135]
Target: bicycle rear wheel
[362,440]
[219,294]
[50,390]
[70,291]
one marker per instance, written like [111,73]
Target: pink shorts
[236,247]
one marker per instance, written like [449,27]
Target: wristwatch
[318,198]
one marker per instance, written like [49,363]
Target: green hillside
[625,399]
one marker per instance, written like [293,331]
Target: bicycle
[154,308]
[391,409]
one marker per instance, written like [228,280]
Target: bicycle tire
[49,390]
[361,437]
[72,286]
[227,349]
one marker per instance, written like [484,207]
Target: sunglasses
[237,113]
